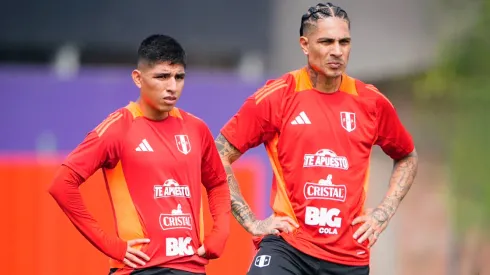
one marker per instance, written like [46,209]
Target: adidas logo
[301,119]
[144,147]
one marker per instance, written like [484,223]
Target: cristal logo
[325,190]
[176,220]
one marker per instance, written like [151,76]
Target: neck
[150,112]
[323,83]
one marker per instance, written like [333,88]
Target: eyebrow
[168,74]
[325,39]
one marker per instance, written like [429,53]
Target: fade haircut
[160,48]
[320,11]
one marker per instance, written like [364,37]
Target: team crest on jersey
[348,121]
[183,144]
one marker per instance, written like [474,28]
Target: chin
[166,108]
[334,73]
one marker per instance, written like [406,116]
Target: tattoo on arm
[404,172]
[239,207]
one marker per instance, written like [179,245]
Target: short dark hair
[161,48]
[320,11]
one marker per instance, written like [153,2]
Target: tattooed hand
[273,225]
[375,222]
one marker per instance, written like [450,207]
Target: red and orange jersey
[153,171]
[319,147]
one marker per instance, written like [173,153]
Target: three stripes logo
[104,125]
[268,89]
[301,119]
[144,147]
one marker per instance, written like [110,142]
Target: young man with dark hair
[318,126]
[154,157]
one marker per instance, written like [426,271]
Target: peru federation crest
[183,144]
[348,121]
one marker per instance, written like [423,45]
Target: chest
[169,146]
[340,122]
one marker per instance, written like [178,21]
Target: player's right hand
[273,225]
[135,257]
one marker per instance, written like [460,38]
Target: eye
[163,76]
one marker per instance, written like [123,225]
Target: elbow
[64,180]
[225,161]
[56,187]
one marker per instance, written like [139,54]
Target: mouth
[334,65]
[170,100]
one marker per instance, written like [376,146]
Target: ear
[303,42]
[136,75]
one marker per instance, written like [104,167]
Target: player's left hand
[375,222]
[201,251]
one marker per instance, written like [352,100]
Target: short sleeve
[259,118]
[100,148]
[393,137]
[212,170]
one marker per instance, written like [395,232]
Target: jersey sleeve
[214,179]
[259,118]
[100,147]
[393,137]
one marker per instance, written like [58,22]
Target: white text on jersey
[326,158]
[171,188]
[179,247]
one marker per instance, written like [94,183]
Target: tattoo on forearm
[239,207]
[227,151]
[404,172]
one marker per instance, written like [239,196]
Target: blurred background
[65,65]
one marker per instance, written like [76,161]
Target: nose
[172,84]
[336,50]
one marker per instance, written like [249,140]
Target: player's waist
[342,250]
[193,263]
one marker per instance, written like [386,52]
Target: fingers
[361,230]
[128,263]
[135,257]
[289,220]
[360,219]
[274,231]
[138,241]
[132,260]
[139,253]
[284,227]
[201,251]
[274,225]
[369,232]
[372,240]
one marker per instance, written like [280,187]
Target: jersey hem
[193,268]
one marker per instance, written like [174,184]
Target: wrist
[250,225]
[388,207]
[214,244]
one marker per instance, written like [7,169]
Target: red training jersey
[153,171]
[319,146]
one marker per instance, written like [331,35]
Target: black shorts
[158,271]
[276,256]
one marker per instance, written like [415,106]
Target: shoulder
[371,92]
[275,88]
[189,118]
[115,123]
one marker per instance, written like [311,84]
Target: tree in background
[460,83]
